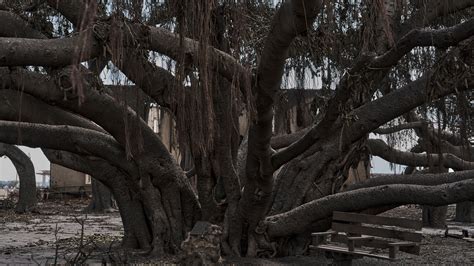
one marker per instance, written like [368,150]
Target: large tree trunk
[465,212]
[102,200]
[172,210]
[26,172]
[434,217]
[136,226]
[136,230]
[291,20]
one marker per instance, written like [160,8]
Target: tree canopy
[275,105]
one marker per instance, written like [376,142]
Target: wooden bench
[354,234]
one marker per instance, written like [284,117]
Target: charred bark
[465,212]
[151,188]
[301,218]
[137,214]
[434,217]
[102,200]
[137,232]
[26,173]
[292,18]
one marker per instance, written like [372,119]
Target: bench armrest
[321,237]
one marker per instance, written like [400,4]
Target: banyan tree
[274,104]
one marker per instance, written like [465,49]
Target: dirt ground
[54,232]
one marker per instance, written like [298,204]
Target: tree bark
[137,230]
[102,200]
[465,212]
[434,217]
[26,173]
[428,179]
[379,148]
[301,218]
[174,210]
[163,236]
[141,173]
[292,19]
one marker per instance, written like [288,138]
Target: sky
[8,171]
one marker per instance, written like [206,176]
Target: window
[88,180]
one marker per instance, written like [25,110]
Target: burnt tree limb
[26,173]
[300,219]
[379,148]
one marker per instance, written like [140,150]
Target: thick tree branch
[414,179]
[15,106]
[155,81]
[430,10]
[48,52]
[379,148]
[437,145]
[383,109]
[397,128]
[169,44]
[14,26]
[282,141]
[300,219]
[73,139]
[22,107]
[431,135]
[79,12]
[143,145]
[442,38]
[457,65]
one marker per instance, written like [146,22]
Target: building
[65,180]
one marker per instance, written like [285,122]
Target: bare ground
[54,231]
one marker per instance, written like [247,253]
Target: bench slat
[378,243]
[379,220]
[380,232]
[338,249]
[403,244]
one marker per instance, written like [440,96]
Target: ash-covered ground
[53,233]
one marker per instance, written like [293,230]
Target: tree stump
[202,246]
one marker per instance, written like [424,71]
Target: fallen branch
[300,219]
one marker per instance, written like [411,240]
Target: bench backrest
[357,224]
